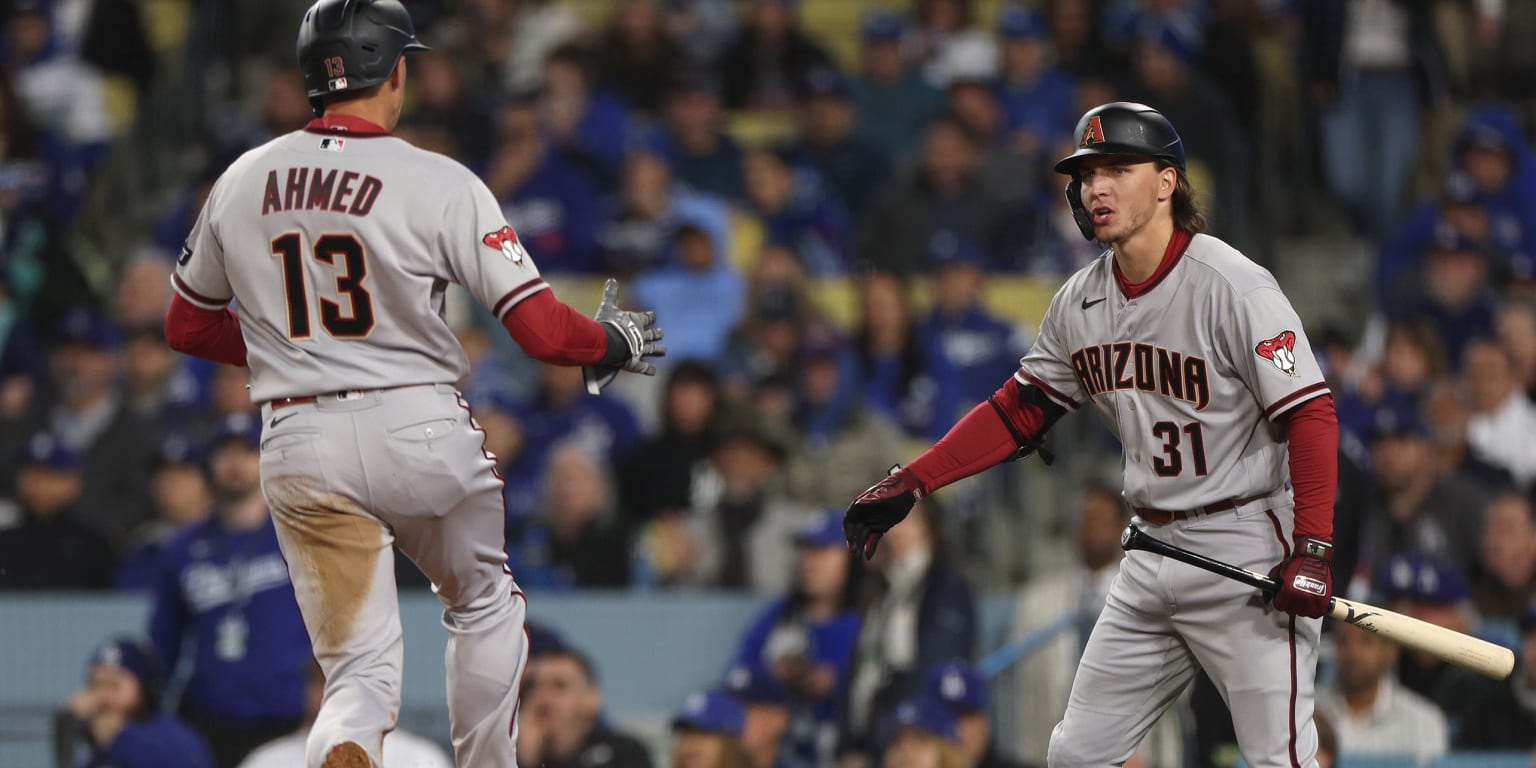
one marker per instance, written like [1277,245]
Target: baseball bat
[1450,646]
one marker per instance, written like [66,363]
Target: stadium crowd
[731,162]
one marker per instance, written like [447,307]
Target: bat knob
[1128,537]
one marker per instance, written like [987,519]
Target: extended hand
[1305,579]
[879,509]
[639,333]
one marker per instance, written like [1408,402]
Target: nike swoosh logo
[1087,303]
[280,419]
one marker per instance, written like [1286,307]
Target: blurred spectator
[945,192]
[922,733]
[1042,681]
[1507,720]
[65,96]
[806,638]
[771,57]
[1163,75]
[517,36]
[766,345]
[693,138]
[401,747]
[89,416]
[1506,582]
[960,687]
[697,291]
[848,160]
[968,349]
[500,418]
[637,56]
[894,362]
[1229,37]
[560,723]
[1327,741]
[1434,591]
[1076,40]
[1517,334]
[890,96]
[1035,95]
[1371,67]
[575,542]
[738,534]
[1446,409]
[282,107]
[49,548]
[797,208]
[589,127]
[1492,159]
[1454,293]
[554,206]
[117,718]
[765,712]
[443,98]
[920,613]
[1374,714]
[224,593]
[159,386]
[562,410]
[1502,426]
[656,477]
[707,733]
[651,205]
[972,99]
[949,43]
[842,440]
[1415,508]
[143,290]
[705,28]
[181,495]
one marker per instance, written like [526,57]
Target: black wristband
[617,352]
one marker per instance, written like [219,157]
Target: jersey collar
[1175,251]
[346,125]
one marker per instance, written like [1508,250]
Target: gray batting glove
[639,333]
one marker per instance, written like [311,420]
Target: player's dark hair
[1187,215]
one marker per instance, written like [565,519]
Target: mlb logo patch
[338,84]
[332,144]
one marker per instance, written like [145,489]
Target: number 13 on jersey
[357,321]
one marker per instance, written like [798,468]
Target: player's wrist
[617,352]
[1317,547]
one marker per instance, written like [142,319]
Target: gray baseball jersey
[1189,376]
[337,248]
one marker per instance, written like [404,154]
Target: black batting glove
[879,509]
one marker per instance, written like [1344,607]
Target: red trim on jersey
[1056,395]
[1279,406]
[551,332]
[511,297]
[1171,255]
[212,334]
[1312,430]
[978,441]
[181,285]
[346,125]
[1291,637]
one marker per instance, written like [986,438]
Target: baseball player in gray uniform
[336,244]
[1198,363]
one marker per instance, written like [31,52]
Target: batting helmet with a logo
[349,45]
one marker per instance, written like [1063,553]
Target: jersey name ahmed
[337,248]
[1189,373]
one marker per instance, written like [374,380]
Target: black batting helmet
[1118,128]
[349,45]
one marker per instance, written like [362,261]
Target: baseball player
[1198,363]
[337,242]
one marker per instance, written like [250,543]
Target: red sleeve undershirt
[1312,429]
[550,331]
[212,334]
[980,440]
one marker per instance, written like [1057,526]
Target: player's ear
[1167,182]
[397,77]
